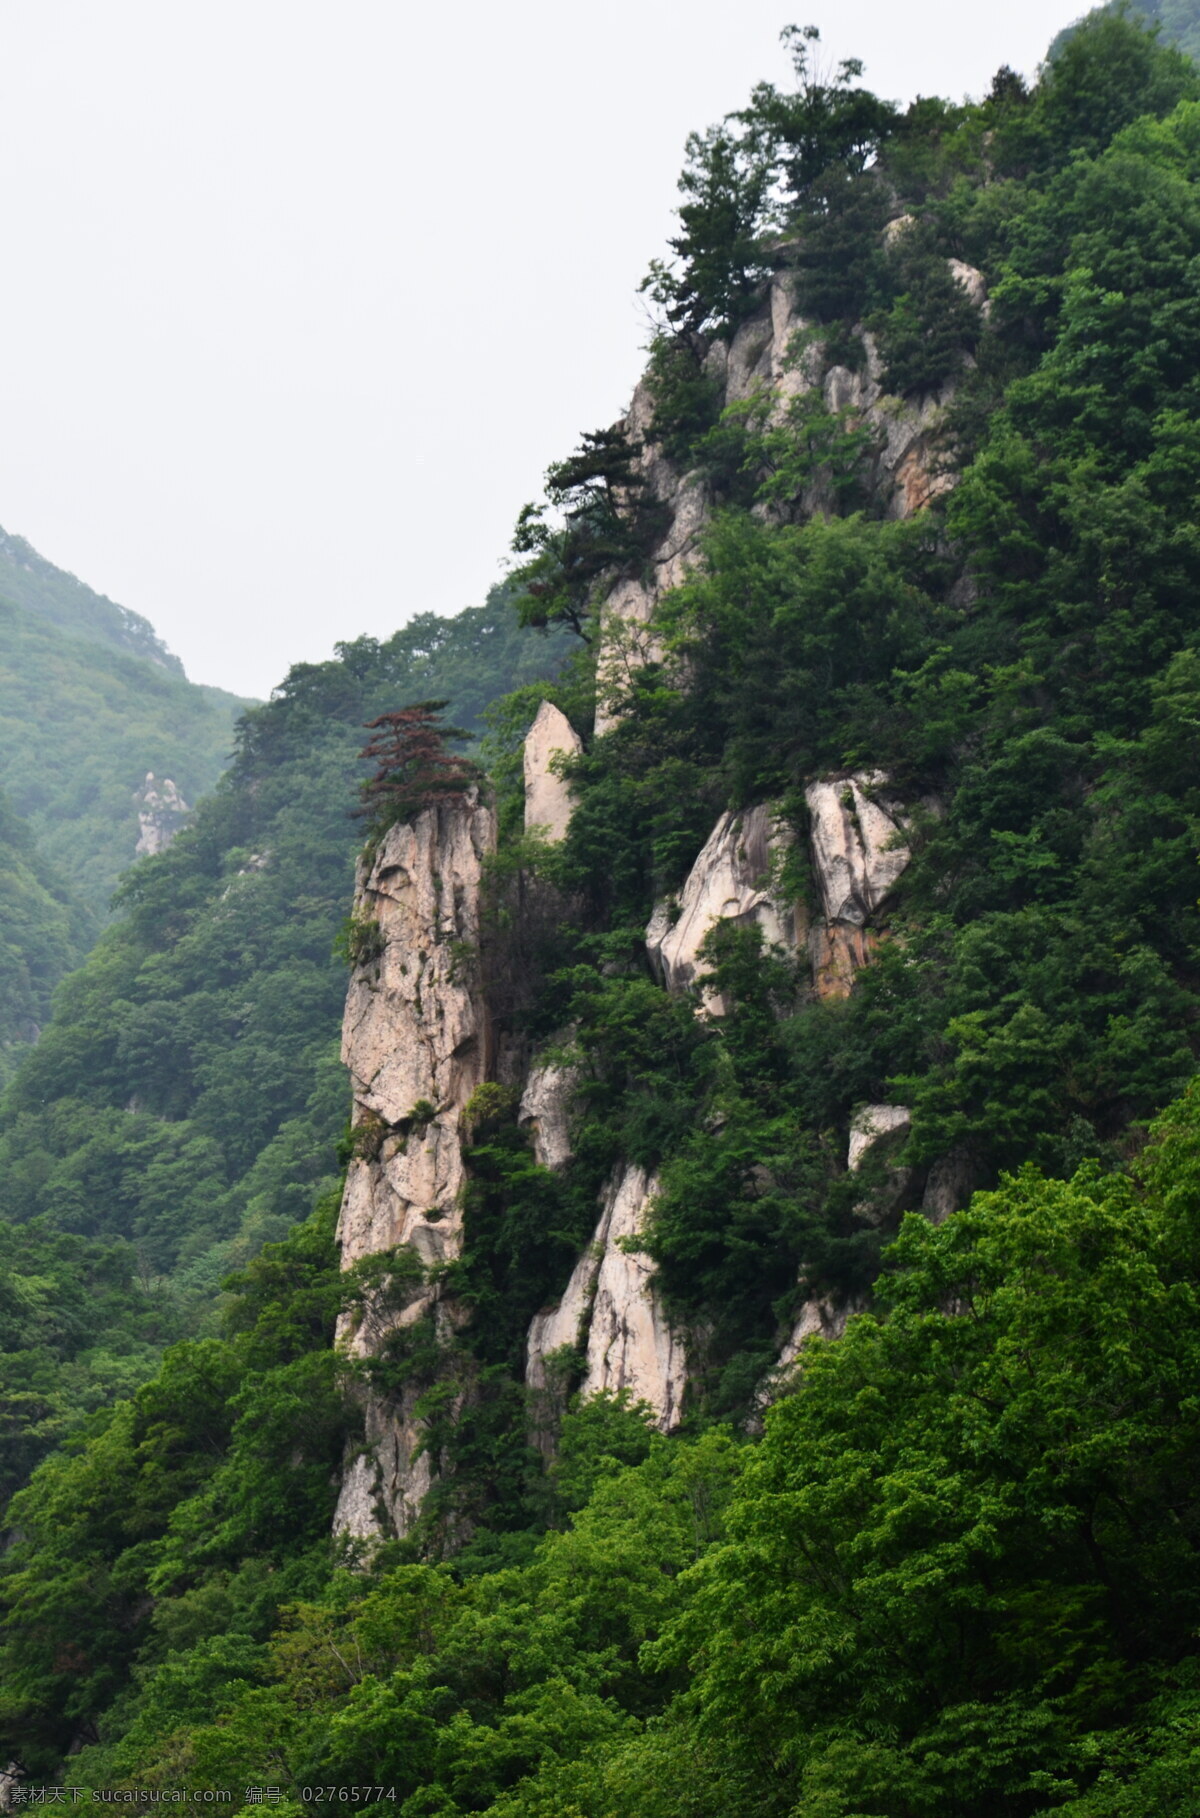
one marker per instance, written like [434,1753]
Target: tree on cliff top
[414,768]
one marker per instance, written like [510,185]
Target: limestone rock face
[908,475]
[547,796]
[161,812]
[610,1309]
[972,281]
[948,1186]
[870,1125]
[759,356]
[545,1111]
[415,1030]
[778,354]
[416,1041]
[837,953]
[730,881]
[817,1318]
[857,845]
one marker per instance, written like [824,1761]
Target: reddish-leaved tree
[415,769]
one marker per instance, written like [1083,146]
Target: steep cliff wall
[612,1315]
[416,1041]
[731,880]
[777,355]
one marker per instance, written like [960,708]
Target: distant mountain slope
[90,701]
[29,580]
[1178,22]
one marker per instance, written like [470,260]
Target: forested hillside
[44,931]
[90,701]
[887,590]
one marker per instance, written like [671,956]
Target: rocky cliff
[417,1028]
[161,812]
[416,1042]
[776,356]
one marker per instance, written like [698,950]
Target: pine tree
[414,768]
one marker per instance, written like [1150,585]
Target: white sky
[301,298]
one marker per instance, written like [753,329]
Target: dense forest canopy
[957,1572]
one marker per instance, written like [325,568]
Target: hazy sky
[301,298]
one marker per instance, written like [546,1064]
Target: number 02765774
[346,1795]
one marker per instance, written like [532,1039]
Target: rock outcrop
[612,1315]
[858,849]
[858,853]
[161,812]
[819,1317]
[545,1109]
[880,1128]
[779,355]
[548,801]
[730,881]
[416,1041]
[870,1126]
[857,845]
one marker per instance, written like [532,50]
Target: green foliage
[603,521]
[80,1326]
[715,278]
[687,398]
[196,1510]
[784,461]
[360,940]
[958,1574]
[932,328]
[38,587]
[1176,21]
[44,930]
[950,1584]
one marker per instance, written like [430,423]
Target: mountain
[91,701]
[1177,21]
[747,1368]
